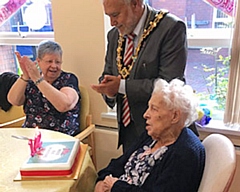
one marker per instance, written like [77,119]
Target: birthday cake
[54,158]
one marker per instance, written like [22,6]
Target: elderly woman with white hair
[168,156]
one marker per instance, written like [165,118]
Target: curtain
[232,111]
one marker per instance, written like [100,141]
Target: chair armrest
[86,132]
[11,123]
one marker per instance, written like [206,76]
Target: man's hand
[109,85]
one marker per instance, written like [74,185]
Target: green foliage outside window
[216,78]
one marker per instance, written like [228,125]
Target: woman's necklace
[123,70]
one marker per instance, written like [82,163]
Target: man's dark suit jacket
[163,55]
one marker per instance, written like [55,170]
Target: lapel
[150,16]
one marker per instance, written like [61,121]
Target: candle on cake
[36,143]
[32,148]
[37,139]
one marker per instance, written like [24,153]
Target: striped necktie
[127,59]
[129,49]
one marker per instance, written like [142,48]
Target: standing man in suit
[160,51]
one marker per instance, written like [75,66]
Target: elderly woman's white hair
[177,95]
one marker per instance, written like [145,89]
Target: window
[221,20]
[23,24]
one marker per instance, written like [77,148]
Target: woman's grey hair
[176,95]
[48,47]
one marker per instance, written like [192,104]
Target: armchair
[14,117]
[10,116]
[86,126]
[220,164]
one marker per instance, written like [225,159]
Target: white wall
[106,146]
[235,187]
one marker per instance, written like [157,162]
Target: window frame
[24,38]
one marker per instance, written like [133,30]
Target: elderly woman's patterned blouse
[40,112]
[140,164]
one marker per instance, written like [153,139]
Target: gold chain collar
[125,71]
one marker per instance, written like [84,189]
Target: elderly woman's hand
[109,181]
[101,187]
[22,65]
[29,67]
